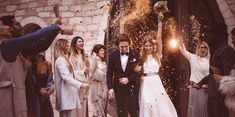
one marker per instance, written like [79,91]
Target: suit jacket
[115,71]
[223,59]
[67,97]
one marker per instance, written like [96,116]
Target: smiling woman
[199,64]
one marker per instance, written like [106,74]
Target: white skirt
[154,101]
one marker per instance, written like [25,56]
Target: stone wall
[227,8]
[86,14]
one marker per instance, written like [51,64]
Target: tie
[125,53]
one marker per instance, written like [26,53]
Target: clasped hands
[45,92]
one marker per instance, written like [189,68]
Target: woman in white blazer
[67,87]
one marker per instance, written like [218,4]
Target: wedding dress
[154,101]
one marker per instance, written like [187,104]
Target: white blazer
[67,97]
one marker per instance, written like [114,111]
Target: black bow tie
[125,53]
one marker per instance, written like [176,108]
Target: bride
[154,101]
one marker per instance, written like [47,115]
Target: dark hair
[233,31]
[123,38]
[30,28]
[7,20]
[32,57]
[73,46]
[97,48]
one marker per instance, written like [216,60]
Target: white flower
[161,6]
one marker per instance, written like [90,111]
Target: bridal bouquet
[161,6]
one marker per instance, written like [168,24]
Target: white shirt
[199,65]
[124,59]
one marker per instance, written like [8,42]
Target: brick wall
[85,13]
[227,8]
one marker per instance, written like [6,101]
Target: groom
[122,79]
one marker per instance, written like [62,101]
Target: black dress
[45,80]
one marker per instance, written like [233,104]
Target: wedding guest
[42,71]
[227,83]
[13,102]
[99,90]
[67,88]
[80,64]
[199,65]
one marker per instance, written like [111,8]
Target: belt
[192,83]
[4,84]
[150,74]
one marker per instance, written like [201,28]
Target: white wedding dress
[154,101]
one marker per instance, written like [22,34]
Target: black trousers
[126,102]
[216,108]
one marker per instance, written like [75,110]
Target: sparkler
[173,43]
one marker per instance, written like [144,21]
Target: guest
[80,64]
[42,71]
[227,83]
[13,103]
[199,65]
[32,88]
[67,97]
[99,90]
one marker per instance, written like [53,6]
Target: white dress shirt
[124,59]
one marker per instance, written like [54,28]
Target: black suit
[126,95]
[223,59]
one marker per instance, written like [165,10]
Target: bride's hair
[154,52]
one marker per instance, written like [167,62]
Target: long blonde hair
[152,37]
[208,49]
[59,52]
[154,52]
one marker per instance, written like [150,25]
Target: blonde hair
[59,52]
[154,52]
[208,49]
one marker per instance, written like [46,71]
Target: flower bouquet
[161,7]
